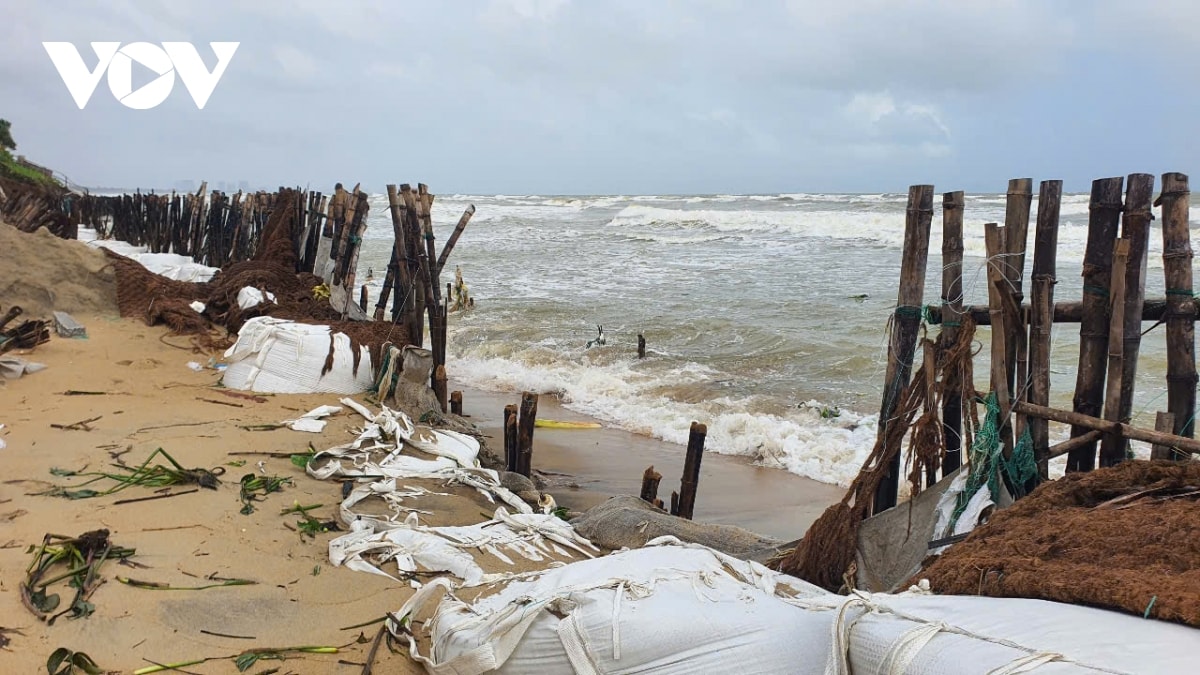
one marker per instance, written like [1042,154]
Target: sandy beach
[149,398]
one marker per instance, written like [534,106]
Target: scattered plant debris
[63,661]
[145,475]
[255,488]
[82,557]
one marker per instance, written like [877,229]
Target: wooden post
[1164,422]
[1112,446]
[650,481]
[398,272]
[998,292]
[905,326]
[510,437]
[456,403]
[641,346]
[529,403]
[1016,237]
[458,230]
[362,297]
[1104,212]
[1181,308]
[952,303]
[674,503]
[1135,229]
[1045,252]
[439,386]
[691,470]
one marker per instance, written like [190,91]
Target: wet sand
[608,461]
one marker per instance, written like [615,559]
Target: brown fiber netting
[825,554]
[1124,538]
[158,300]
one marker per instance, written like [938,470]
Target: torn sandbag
[313,421]
[279,356]
[414,552]
[250,297]
[13,367]
[665,609]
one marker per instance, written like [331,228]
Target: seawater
[765,316]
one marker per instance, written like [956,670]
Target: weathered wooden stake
[1016,237]
[439,386]
[674,503]
[998,293]
[1104,213]
[691,470]
[905,326]
[362,298]
[525,426]
[1136,229]
[650,480]
[1112,447]
[1045,253]
[1181,308]
[1164,422]
[952,302]
[641,346]
[510,436]
[456,402]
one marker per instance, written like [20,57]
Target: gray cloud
[614,96]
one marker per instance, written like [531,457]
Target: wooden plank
[952,303]
[905,326]
[1135,228]
[1165,422]
[1016,238]
[1111,447]
[1104,213]
[1181,308]
[1045,252]
[998,288]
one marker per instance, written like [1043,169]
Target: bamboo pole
[906,323]
[1104,212]
[1111,447]
[952,303]
[458,230]
[1045,252]
[998,287]
[1181,308]
[1153,309]
[650,480]
[691,470]
[1076,419]
[1135,228]
[418,273]
[510,437]
[1165,422]
[398,272]
[525,427]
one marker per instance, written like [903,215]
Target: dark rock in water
[629,522]
[520,486]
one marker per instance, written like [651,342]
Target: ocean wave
[828,448]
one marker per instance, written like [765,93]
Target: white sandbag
[250,296]
[279,356]
[169,265]
[663,609]
[945,634]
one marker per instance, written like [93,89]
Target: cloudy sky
[615,96]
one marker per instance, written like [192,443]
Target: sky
[622,97]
